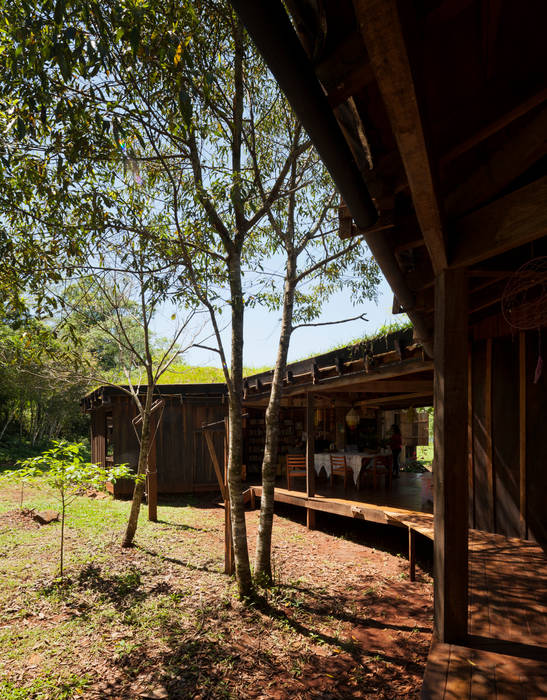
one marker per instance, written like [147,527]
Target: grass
[162,617]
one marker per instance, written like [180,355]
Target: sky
[261,330]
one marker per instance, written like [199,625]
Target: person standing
[396,446]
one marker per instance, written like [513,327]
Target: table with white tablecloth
[356,461]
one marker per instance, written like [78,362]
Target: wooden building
[180,451]
[383,379]
[431,116]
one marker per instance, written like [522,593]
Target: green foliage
[48,686]
[65,470]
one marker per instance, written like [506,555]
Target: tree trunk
[235,441]
[138,491]
[263,564]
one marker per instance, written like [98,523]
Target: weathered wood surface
[382,32]
[374,506]
[450,483]
[509,222]
[506,655]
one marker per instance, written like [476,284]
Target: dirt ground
[162,621]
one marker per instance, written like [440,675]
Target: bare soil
[162,621]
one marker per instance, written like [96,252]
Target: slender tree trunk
[62,533]
[263,564]
[5,426]
[138,491]
[235,443]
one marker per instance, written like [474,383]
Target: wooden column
[310,455]
[470,456]
[489,454]
[412,554]
[152,474]
[522,435]
[451,460]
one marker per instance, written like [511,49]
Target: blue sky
[262,329]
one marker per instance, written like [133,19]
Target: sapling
[65,470]
[21,476]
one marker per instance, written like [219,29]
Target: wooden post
[522,435]
[228,541]
[412,553]
[152,474]
[451,460]
[310,456]
[470,456]
[489,464]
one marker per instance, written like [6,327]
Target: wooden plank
[522,435]
[151,472]
[522,148]
[436,671]
[216,465]
[381,29]
[470,466]
[488,433]
[310,455]
[509,222]
[362,378]
[451,497]
[494,126]
[398,386]
[412,553]
[458,680]
[396,397]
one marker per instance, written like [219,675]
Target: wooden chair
[381,465]
[296,466]
[339,467]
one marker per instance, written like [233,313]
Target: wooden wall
[508,419]
[182,458]
[98,435]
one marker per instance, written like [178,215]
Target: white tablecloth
[354,460]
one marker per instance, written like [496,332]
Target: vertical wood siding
[513,484]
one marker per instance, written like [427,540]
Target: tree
[119,299]
[179,98]
[64,469]
[316,263]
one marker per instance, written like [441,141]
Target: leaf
[178,55]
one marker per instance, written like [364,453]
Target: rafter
[509,222]
[381,29]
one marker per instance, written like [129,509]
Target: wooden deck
[386,506]
[506,655]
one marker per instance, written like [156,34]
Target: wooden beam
[493,127]
[521,149]
[310,455]
[412,554]
[489,462]
[398,387]
[216,465]
[152,472]
[450,567]
[381,29]
[509,222]
[395,397]
[522,436]
[356,380]
[470,456]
